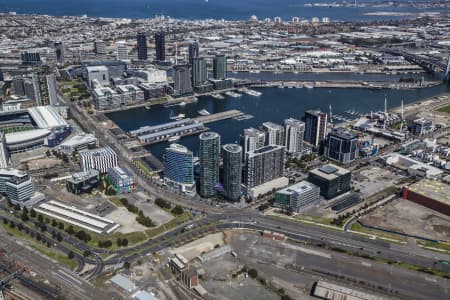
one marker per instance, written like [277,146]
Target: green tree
[33,213]
[70,230]
[252,273]
[124,242]
[177,210]
[70,255]
[24,216]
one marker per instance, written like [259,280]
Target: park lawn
[443,246]
[359,228]
[116,201]
[445,109]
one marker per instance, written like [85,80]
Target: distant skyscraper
[182,80]
[315,127]
[142,46]
[232,171]
[122,51]
[19,85]
[199,71]
[220,67]
[179,168]
[1,75]
[274,133]
[29,58]
[60,53]
[263,165]
[160,45]
[252,139]
[194,51]
[341,145]
[31,88]
[209,163]
[294,130]
[99,47]
[4,153]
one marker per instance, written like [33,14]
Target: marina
[219,116]
[233,94]
[218,96]
[243,117]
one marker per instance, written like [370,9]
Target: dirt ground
[195,248]
[126,220]
[411,218]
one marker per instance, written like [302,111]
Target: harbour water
[202,9]
[273,105]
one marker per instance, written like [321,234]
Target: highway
[231,218]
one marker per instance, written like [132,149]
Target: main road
[229,218]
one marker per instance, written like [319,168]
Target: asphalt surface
[224,218]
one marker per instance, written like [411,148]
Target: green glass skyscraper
[220,67]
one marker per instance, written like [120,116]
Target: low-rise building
[122,181]
[422,126]
[83,182]
[130,94]
[297,197]
[106,98]
[101,159]
[429,193]
[78,142]
[17,186]
[99,74]
[331,179]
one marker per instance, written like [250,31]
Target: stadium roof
[47,117]
[25,136]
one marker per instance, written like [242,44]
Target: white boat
[204,112]
[252,92]
[308,86]
[217,96]
[182,103]
[193,99]
[178,117]
[174,138]
[233,94]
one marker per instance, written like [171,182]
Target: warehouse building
[429,193]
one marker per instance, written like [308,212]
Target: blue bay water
[274,105]
[194,9]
